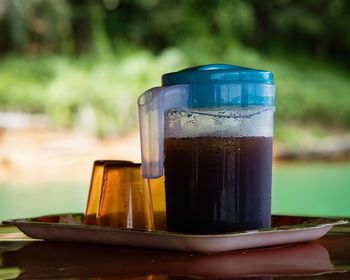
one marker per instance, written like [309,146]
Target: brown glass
[125,199]
[90,215]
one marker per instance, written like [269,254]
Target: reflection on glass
[125,200]
[90,216]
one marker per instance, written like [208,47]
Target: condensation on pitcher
[202,122]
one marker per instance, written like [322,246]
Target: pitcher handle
[152,105]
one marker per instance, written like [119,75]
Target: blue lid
[224,84]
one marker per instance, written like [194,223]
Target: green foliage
[103,90]
[106,89]
[315,27]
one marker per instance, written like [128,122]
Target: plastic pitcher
[209,129]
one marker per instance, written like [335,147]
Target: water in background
[22,201]
[318,189]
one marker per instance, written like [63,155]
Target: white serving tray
[68,227]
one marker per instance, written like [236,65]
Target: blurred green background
[83,63]
[60,57]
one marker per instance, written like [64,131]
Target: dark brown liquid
[216,185]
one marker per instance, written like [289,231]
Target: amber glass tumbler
[125,199]
[90,216]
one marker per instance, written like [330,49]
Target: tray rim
[333,221]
